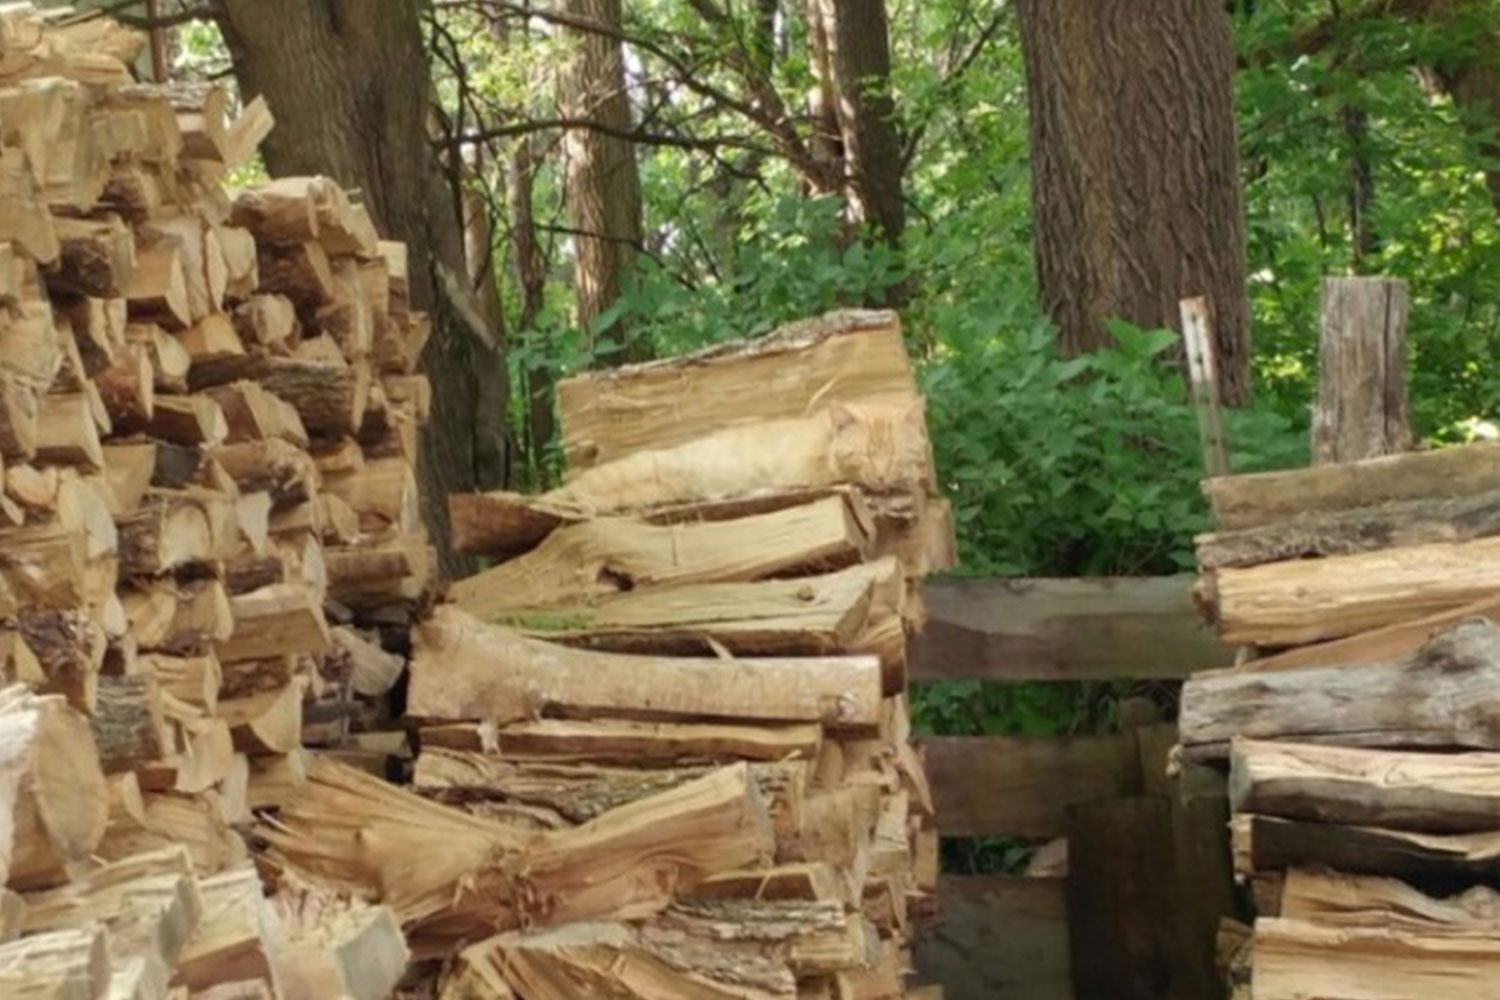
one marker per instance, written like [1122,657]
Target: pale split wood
[646,743]
[1296,959]
[1361,409]
[599,557]
[1288,603]
[455,676]
[840,357]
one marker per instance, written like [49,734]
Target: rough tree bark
[349,83]
[531,276]
[858,52]
[602,177]
[1135,170]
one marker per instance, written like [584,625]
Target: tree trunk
[531,275]
[603,180]
[857,39]
[1135,170]
[349,83]
[492,445]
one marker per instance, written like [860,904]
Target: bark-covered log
[1439,698]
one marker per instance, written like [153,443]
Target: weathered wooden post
[1361,410]
[1203,381]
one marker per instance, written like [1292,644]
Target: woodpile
[664,742]
[1362,733]
[208,529]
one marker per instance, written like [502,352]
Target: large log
[1345,532]
[1265,498]
[880,448]
[51,786]
[801,616]
[1288,603]
[1270,844]
[464,669]
[336,947]
[150,903]
[71,964]
[841,357]
[1381,645]
[642,743]
[1296,959]
[1439,698]
[350,832]
[1336,899]
[1435,793]
[600,557]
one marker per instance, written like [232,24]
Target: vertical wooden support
[158,42]
[1203,379]
[1361,410]
[1149,880]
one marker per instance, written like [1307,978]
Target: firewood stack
[1361,744]
[208,417]
[663,742]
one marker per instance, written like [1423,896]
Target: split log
[1266,498]
[253,414]
[329,393]
[66,433]
[52,785]
[596,558]
[234,940]
[266,723]
[97,257]
[19,410]
[1269,844]
[1382,645]
[158,289]
[128,469]
[1438,699]
[332,946]
[196,822]
[1296,959]
[463,669]
[128,725]
[850,356]
[71,964]
[127,389]
[213,339]
[150,904]
[1302,601]
[1336,899]
[168,531]
[275,621]
[1369,529]
[1425,792]
[644,743]
[880,447]
[490,877]
[383,494]
[805,616]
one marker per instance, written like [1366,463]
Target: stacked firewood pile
[1363,777]
[663,743]
[208,420]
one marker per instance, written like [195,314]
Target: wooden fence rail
[1155,873]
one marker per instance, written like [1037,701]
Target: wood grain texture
[1436,793]
[1361,410]
[1263,498]
[1054,630]
[1010,787]
[1289,603]
[844,356]
[1442,698]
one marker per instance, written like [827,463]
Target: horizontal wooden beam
[1000,936]
[995,786]
[1063,630]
